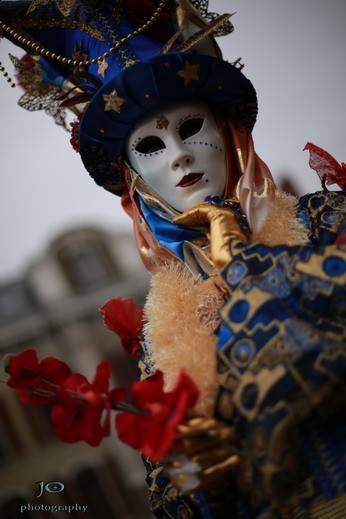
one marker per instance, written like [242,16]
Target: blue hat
[127,96]
[119,53]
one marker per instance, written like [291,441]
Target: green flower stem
[129,408]
[41,392]
[49,382]
[228,446]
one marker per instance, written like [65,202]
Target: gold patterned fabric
[282,363]
[165,500]
[282,371]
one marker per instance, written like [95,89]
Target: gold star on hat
[189,72]
[79,56]
[103,65]
[113,101]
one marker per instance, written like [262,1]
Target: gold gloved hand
[223,226]
[203,456]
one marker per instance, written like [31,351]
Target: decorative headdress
[123,58]
[113,61]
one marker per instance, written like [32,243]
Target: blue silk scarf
[169,235]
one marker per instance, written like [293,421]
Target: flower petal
[154,430]
[124,318]
[23,369]
[102,377]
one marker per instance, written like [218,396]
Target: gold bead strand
[5,74]
[40,49]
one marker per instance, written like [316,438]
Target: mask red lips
[190,179]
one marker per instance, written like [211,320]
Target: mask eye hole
[150,145]
[190,127]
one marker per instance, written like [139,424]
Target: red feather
[327,168]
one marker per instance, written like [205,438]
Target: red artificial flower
[124,318]
[83,410]
[327,168]
[36,382]
[341,240]
[75,126]
[153,430]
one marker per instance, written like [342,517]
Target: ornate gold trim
[63,23]
[40,49]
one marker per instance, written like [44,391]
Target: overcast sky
[294,53]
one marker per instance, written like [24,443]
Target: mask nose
[183,160]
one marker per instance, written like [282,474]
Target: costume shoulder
[323,213]
[282,358]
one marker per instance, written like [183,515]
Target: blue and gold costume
[281,367]
[281,349]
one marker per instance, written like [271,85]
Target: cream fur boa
[182,312]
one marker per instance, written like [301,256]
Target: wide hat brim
[126,97]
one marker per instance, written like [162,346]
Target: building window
[87,264]
[15,301]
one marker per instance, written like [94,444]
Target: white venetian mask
[178,151]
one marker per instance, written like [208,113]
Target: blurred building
[54,309]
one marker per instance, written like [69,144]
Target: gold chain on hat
[40,49]
[5,74]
